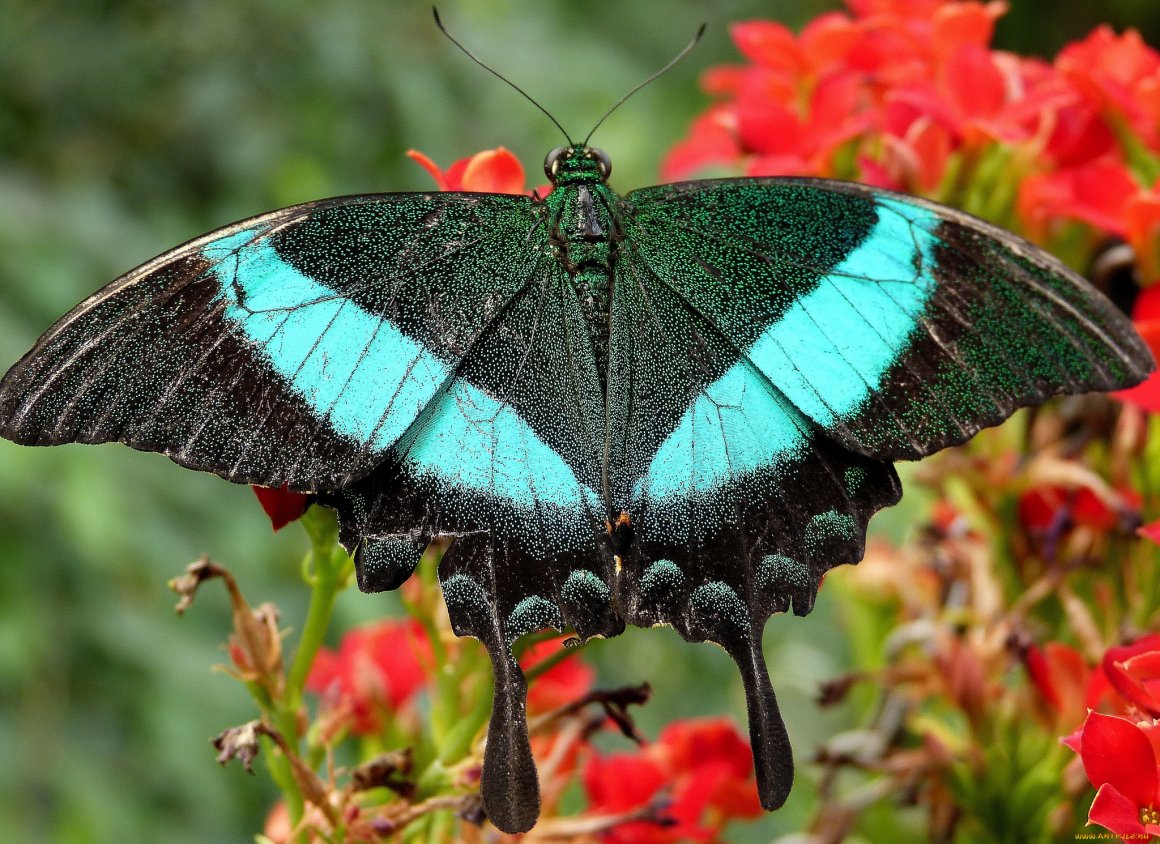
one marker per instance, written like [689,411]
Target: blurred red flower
[707,768]
[1146,317]
[903,94]
[491,171]
[1134,671]
[377,669]
[1095,192]
[1119,758]
[1061,676]
[1044,507]
[1118,74]
[563,683]
[282,505]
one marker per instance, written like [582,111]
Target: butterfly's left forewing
[294,348]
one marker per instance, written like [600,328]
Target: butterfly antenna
[498,75]
[672,61]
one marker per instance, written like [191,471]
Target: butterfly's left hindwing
[294,348]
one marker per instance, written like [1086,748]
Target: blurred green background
[128,127]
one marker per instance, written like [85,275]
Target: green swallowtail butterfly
[678,406]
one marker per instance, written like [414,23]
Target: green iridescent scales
[676,407]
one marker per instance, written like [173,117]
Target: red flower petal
[1134,670]
[281,505]
[490,171]
[494,171]
[767,43]
[378,667]
[1116,752]
[1117,813]
[1146,395]
[959,24]
[827,39]
[563,683]
[1079,134]
[1060,674]
[431,167]
[708,143]
[1150,531]
[973,82]
[1147,306]
[1095,193]
[1142,216]
[769,128]
[623,782]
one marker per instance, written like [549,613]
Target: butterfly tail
[509,786]
[772,754]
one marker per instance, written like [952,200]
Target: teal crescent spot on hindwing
[828,527]
[531,614]
[854,476]
[776,572]
[830,349]
[383,563]
[472,440]
[463,592]
[735,425]
[662,581]
[355,368]
[585,589]
[717,605]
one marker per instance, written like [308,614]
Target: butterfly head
[574,164]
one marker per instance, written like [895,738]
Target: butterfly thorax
[584,230]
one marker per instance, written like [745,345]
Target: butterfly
[678,406]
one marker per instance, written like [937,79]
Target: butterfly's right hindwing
[294,348]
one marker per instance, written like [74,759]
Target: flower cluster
[703,770]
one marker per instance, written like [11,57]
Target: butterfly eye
[602,161]
[552,162]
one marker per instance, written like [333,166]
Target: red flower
[618,784]
[281,505]
[1096,193]
[906,84]
[1142,223]
[1146,317]
[1119,74]
[1134,671]
[491,171]
[1119,758]
[563,683]
[1044,507]
[1061,676]
[711,766]
[705,764]
[377,668]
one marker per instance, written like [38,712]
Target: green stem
[329,572]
